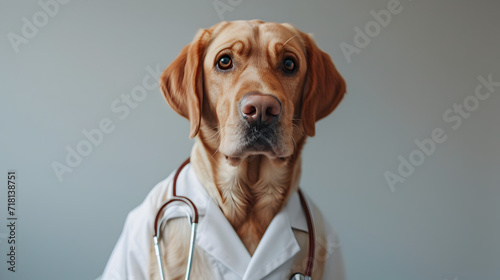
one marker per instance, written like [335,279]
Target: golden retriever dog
[252,92]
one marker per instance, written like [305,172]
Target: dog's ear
[182,81]
[324,87]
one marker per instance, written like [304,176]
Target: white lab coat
[274,258]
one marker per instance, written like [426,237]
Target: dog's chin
[249,153]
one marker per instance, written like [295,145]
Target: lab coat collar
[295,212]
[276,247]
[218,238]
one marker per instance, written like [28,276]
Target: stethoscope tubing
[192,217]
[158,251]
[310,228]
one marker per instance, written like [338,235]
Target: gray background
[442,222]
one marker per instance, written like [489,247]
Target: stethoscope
[192,215]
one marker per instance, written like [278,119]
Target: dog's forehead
[255,32]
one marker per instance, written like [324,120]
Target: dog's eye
[225,63]
[288,65]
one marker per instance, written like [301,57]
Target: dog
[252,92]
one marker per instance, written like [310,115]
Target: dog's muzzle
[261,113]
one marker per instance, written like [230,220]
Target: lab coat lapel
[218,238]
[278,245]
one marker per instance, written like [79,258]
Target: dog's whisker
[216,150]
[216,134]
[294,142]
[298,129]
[289,39]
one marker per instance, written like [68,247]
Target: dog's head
[252,87]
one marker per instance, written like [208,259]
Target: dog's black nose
[260,108]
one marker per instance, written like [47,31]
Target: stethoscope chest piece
[300,276]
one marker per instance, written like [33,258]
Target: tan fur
[249,187]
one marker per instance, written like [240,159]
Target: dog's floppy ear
[182,81]
[324,88]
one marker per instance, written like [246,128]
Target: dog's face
[250,87]
[254,79]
